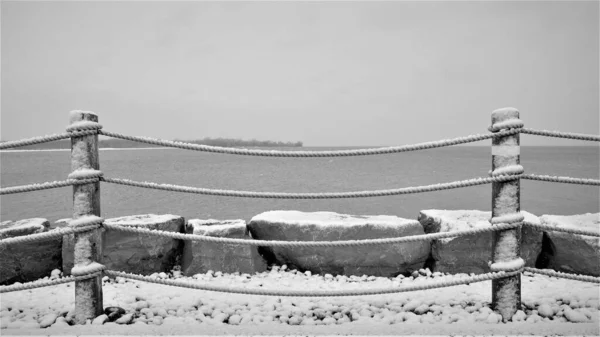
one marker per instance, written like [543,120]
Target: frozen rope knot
[84,125]
[507,218]
[507,266]
[88,220]
[90,269]
[85,174]
[507,170]
[514,123]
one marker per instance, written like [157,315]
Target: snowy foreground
[552,307]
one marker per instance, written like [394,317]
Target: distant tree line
[121,143]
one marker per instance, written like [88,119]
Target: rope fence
[504,131]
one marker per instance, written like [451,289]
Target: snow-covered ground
[552,307]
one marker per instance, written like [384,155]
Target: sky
[324,73]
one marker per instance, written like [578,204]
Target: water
[220,171]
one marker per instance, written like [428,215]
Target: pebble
[412,305]
[519,316]
[100,320]
[114,313]
[575,316]
[545,310]
[125,319]
[48,320]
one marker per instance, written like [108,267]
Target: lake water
[219,171]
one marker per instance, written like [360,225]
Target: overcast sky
[325,73]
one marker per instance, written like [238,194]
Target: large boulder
[379,260]
[132,252]
[142,253]
[28,261]
[200,257]
[471,253]
[573,253]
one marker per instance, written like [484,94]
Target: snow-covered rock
[200,257]
[574,253]
[139,253]
[380,260]
[133,252]
[471,253]
[28,261]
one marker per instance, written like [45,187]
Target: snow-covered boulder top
[582,221]
[330,219]
[217,224]
[212,227]
[23,227]
[141,220]
[455,220]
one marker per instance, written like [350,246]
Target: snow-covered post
[86,202]
[506,292]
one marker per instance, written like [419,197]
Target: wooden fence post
[86,201]
[506,292]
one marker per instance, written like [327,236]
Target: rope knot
[88,220]
[85,174]
[507,218]
[90,269]
[507,266]
[84,126]
[507,124]
[507,170]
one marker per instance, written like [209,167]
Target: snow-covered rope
[45,139]
[91,269]
[40,284]
[316,195]
[56,233]
[317,293]
[564,229]
[45,186]
[584,278]
[305,154]
[279,243]
[566,180]
[560,134]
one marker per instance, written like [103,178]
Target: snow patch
[580,221]
[143,219]
[330,219]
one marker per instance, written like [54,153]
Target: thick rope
[507,266]
[45,139]
[56,233]
[584,278]
[317,293]
[559,134]
[507,170]
[570,230]
[85,174]
[40,284]
[279,243]
[317,195]
[91,269]
[305,154]
[84,125]
[513,123]
[566,180]
[45,186]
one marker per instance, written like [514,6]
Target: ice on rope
[325,219]
[508,265]
[83,125]
[83,221]
[84,173]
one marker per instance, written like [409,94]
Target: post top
[81,115]
[503,114]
